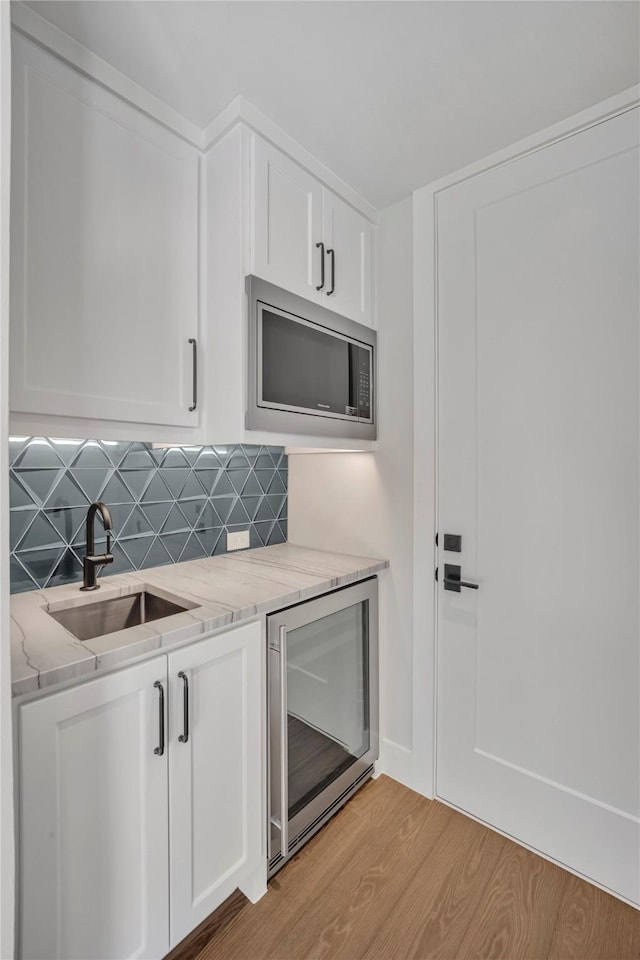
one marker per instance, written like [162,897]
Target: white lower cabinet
[215,796]
[125,846]
[94,858]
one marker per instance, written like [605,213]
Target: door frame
[425,436]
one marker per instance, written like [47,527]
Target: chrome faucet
[91,563]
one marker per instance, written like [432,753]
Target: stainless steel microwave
[310,370]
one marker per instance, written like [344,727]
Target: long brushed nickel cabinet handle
[159,750]
[321,246]
[332,254]
[184,736]
[194,344]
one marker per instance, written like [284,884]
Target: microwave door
[305,368]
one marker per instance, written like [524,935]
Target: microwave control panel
[364,385]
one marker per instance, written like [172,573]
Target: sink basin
[107,616]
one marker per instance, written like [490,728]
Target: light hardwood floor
[396,876]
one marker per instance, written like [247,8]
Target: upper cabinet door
[347,235]
[286,206]
[104,246]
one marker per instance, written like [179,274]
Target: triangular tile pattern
[168,504]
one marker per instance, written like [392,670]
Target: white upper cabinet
[287,222]
[104,247]
[347,236]
[258,204]
[307,239]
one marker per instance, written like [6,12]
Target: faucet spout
[91,563]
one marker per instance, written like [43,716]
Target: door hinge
[436,573]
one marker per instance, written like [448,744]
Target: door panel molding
[425,245]
[538,427]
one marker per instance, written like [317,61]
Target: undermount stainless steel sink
[90,620]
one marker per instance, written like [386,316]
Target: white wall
[6,773]
[362,503]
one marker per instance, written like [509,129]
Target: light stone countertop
[222,590]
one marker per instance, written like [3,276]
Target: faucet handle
[108,556]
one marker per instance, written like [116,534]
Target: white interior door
[538,310]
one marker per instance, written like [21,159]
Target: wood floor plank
[593,925]
[434,913]
[394,876]
[258,931]
[515,917]
[343,925]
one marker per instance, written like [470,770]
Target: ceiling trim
[39,30]
[35,27]
[241,110]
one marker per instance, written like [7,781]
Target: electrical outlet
[238,541]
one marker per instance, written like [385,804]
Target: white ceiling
[389,95]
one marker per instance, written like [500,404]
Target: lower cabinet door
[215,772]
[93,820]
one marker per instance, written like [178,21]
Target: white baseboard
[396,762]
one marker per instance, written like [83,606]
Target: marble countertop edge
[218,592]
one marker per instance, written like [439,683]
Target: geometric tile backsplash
[167,504]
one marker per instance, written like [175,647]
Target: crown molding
[241,110]
[39,30]
[35,28]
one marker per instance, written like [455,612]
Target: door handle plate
[452,579]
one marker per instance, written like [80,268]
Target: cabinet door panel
[348,234]
[216,792]
[287,203]
[94,819]
[104,252]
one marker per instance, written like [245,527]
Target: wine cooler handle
[284,751]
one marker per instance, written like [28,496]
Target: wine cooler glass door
[323,694]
